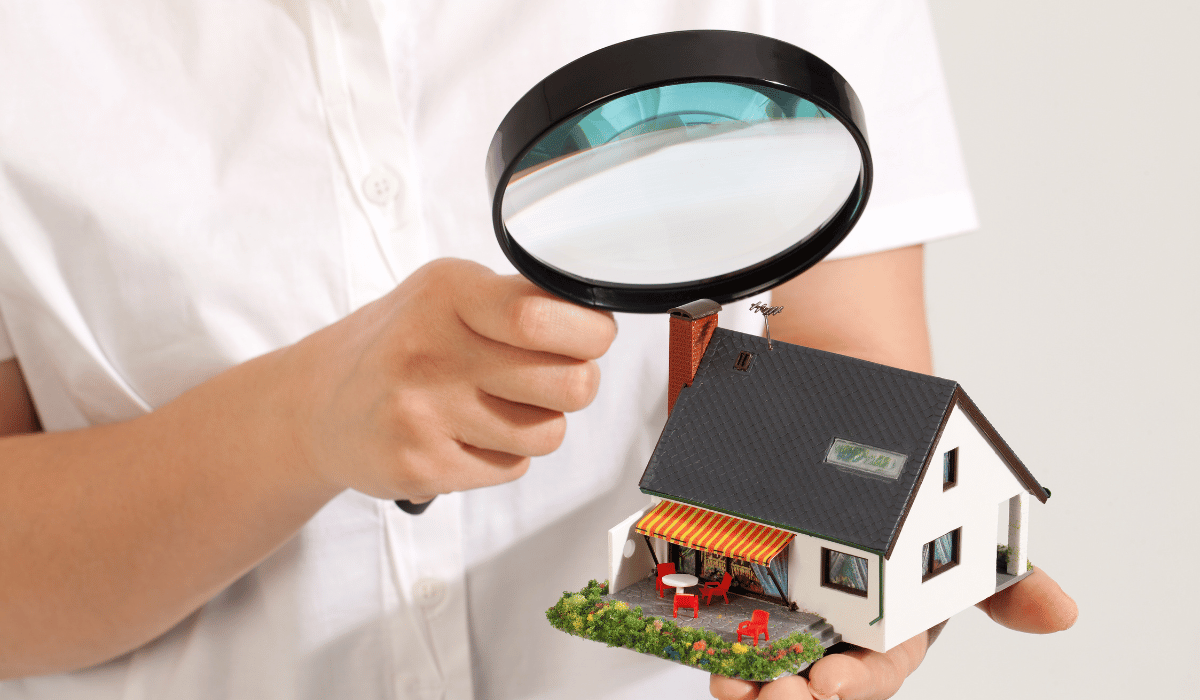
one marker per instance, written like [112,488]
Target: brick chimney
[692,326]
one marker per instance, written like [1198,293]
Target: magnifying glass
[679,166]
[676,167]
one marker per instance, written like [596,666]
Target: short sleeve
[6,348]
[889,55]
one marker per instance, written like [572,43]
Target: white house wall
[849,614]
[983,482]
[628,557]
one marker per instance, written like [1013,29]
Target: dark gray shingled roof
[753,444]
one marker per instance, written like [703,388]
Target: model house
[871,496]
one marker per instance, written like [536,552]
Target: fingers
[445,466]
[451,382]
[512,339]
[538,379]
[498,425]
[511,310]
[723,688]
[1035,604]
[862,674]
[513,400]
[473,467]
[787,688]
[505,466]
[859,674]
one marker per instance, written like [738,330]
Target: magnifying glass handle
[413,508]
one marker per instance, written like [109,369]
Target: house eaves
[1010,459]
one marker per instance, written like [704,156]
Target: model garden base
[593,614]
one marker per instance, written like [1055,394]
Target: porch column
[662,549]
[1018,534]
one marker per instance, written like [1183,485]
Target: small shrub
[1001,559]
[585,614]
[1003,554]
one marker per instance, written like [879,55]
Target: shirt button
[429,593]
[381,186]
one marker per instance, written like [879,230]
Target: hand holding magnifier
[678,166]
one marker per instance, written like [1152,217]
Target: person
[249,295]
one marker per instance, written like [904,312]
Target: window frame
[826,583]
[955,555]
[950,459]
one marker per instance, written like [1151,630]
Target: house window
[684,559]
[748,577]
[743,361]
[940,555]
[950,469]
[845,572]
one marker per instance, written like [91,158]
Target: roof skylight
[865,459]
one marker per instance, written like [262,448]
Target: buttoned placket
[424,599]
[431,589]
[379,186]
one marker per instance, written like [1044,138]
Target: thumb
[1035,604]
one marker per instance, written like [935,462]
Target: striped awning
[712,532]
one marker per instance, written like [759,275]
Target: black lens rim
[665,59]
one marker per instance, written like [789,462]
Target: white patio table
[680,581]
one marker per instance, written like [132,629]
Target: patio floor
[723,619]
[1004,580]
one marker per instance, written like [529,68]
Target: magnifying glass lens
[680,183]
[679,166]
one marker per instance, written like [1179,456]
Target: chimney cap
[695,310]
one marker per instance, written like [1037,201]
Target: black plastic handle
[413,508]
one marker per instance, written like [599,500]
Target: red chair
[686,600]
[664,569]
[713,588]
[756,625]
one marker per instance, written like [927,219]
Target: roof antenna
[767,312]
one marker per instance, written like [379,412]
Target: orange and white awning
[712,532]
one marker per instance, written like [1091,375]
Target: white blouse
[186,185]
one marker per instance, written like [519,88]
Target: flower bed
[585,614]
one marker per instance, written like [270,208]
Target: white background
[1071,318]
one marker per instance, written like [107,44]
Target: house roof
[753,443]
